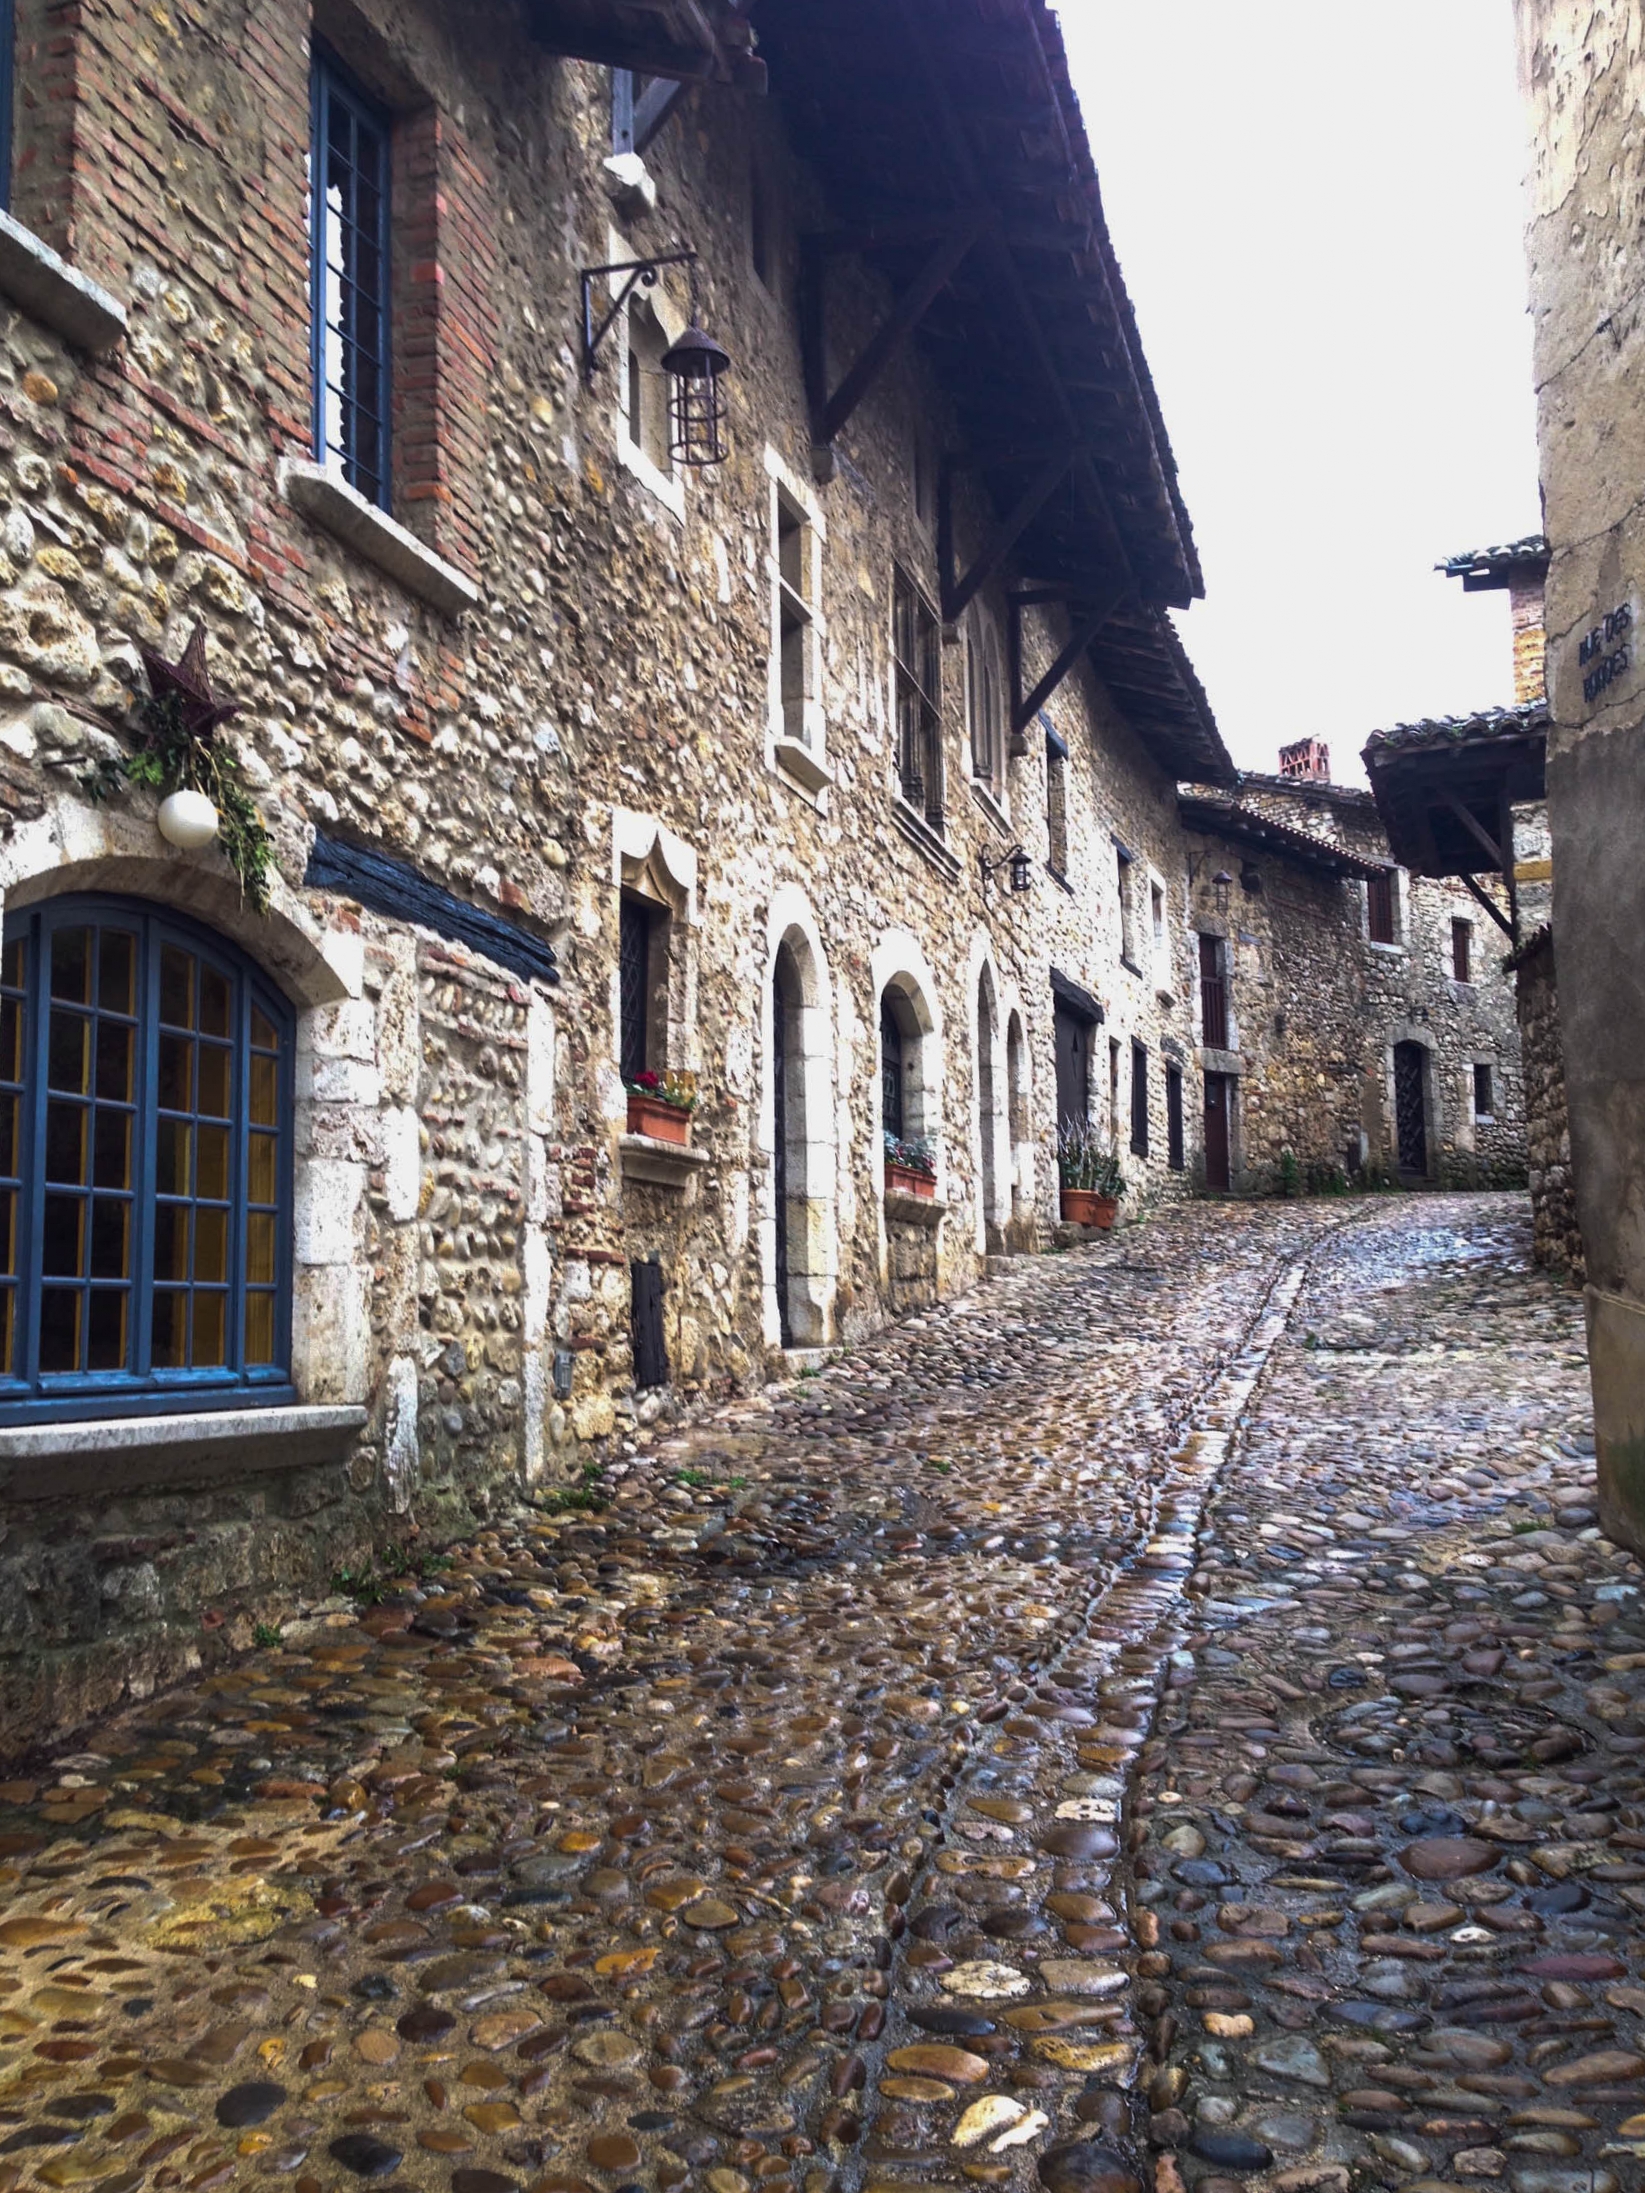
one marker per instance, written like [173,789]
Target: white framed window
[648,323]
[796,715]
[985,708]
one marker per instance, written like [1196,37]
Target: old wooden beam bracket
[1477,830]
[959,593]
[1492,908]
[1089,619]
[829,412]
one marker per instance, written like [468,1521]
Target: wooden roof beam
[1088,623]
[959,593]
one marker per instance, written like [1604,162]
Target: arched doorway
[993,1132]
[802,1149]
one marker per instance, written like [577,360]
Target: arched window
[893,1114]
[145,1166]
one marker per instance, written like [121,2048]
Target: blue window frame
[349,255]
[145,1167]
[8,70]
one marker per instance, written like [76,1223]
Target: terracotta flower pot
[1084,1207]
[649,1115]
[903,1180]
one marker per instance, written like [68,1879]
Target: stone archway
[801,1249]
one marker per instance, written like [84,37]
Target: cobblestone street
[1167,1718]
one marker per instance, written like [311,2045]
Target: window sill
[71,304]
[921,835]
[1059,879]
[991,807]
[1131,967]
[115,1454]
[328,501]
[791,758]
[902,1209]
[1394,951]
[660,1164]
[667,487]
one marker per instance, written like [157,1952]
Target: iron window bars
[349,257]
[145,1167]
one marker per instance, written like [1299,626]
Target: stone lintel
[1223,1062]
[119,1454]
[47,287]
[662,1164]
[326,498]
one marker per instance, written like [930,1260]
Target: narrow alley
[1171,1705]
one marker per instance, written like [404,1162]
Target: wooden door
[1411,1108]
[783,1000]
[1073,1032]
[1218,1100]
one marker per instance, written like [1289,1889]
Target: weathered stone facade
[1319,1007]
[1583,76]
[550,676]
[1558,1237]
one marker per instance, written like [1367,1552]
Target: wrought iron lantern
[695,365]
[1018,864]
[1221,883]
[696,401]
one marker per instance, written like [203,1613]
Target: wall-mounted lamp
[694,365]
[1017,861]
[1222,883]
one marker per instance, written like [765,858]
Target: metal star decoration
[186,680]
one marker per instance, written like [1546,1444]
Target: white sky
[1316,206]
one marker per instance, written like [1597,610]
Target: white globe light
[187,819]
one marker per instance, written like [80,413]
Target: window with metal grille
[1175,1155]
[1139,1099]
[917,649]
[145,1166]
[1462,941]
[1056,804]
[1483,1093]
[1379,907]
[349,254]
[7,67]
[893,1113]
[1213,995]
[637,923]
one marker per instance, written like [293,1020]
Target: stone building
[1369,1028]
[1583,76]
[838,777]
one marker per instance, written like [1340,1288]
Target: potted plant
[661,1105]
[1092,1182]
[910,1165]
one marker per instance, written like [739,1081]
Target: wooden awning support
[1490,905]
[830,411]
[1088,621]
[1477,831]
[959,593]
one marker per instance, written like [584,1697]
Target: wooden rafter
[1477,830]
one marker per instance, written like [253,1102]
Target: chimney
[1525,590]
[1307,758]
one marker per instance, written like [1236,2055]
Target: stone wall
[1558,1237]
[468,1201]
[1318,1007]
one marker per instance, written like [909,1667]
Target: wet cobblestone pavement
[887,1787]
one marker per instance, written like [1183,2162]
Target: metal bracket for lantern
[694,365]
[1017,861]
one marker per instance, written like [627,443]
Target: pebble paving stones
[799,1819]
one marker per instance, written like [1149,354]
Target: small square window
[1462,941]
[1483,1092]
